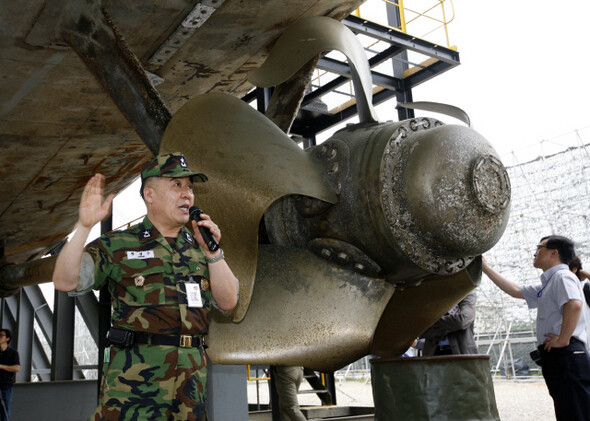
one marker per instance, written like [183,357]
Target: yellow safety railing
[322,376]
[425,19]
[413,16]
[256,378]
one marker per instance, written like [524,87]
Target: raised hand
[93,207]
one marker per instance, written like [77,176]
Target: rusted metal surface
[16,276]
[407,200]
[377,221]
[225,50]
[414,309]
[378,217]
[286,97]
[87,28]
[305,311]
[101,47]
[442,205]
[58,124]
[250,163]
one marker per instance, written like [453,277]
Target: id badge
[193,294]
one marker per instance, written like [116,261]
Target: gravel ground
[526,400]
[523,401]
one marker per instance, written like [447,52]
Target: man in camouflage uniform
[163,282]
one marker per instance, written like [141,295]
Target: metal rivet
[403,132]
[449,266]
[326,253]
[342,256]
[333,168]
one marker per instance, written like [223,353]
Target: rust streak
[200,70]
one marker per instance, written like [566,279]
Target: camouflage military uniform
[147,276]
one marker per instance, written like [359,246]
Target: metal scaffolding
[546,193]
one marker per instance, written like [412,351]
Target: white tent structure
[548,197]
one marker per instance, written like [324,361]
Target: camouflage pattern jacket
[148,275]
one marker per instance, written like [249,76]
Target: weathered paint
[58,125]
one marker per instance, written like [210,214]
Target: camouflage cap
[170,165]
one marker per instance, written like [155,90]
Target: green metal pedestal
[453,388]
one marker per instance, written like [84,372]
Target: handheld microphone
[195,214]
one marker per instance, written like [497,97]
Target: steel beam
[427,73]
[25,329]
[62,358]
[88,307]
[43,313]
[342,69]
[401,39]
[309,123]
[339,81]
[38,360]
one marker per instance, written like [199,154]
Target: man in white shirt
[583,276]
[561,331]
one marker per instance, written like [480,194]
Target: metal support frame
[25,317]
[400,66]
[62,361]
[33,360]
[263,98]
[322,384]
[309,122]
[310,141]
[407,42]
[274,399]
[342,69]
[88,306]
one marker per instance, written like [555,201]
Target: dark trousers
[443,350]
[567,375]
[7,400]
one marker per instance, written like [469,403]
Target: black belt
[125,338]
[182,341]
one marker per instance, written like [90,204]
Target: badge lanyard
[540,292]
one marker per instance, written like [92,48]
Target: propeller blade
[309,37]
[438,107]
[250,163]
[306,311]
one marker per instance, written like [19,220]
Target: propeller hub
[445,194]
